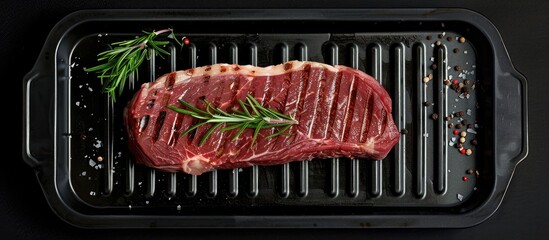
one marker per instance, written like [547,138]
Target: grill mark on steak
[227,104]
[270,89]
[170,80]
[350,109]
[333,109]
[290,107]
[321,124]
[313,89]
[302,91]
[158,125]
[367,117]
[176,126]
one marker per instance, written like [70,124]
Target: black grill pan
[75,140]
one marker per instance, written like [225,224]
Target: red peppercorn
[186,41]
[456,132]
[465,178]
[462,151]
[455,81]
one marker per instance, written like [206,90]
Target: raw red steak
[342,112]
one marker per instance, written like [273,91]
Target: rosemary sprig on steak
[126,57]
[251,115]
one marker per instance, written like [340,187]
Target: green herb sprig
[126,57]
[251,115]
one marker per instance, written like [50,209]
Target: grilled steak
[341,112]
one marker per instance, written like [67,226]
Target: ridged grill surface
[422,170]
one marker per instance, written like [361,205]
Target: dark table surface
[524,213]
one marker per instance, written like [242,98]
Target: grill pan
[74,138]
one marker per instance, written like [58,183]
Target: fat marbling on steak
[341,112]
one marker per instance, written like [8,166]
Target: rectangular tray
[420,184]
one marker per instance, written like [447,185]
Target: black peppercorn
[459,126]
[433,66]
[451,125]
[470,171]
[457,68]
[466,81]
[434,116]
[474,142]
[446,82]
[456,50]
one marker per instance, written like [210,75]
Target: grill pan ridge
[87,174]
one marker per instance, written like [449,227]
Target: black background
[524,213]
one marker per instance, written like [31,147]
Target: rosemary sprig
[252,115]
[125,59]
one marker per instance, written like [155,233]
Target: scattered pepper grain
[469,152]
[474,142]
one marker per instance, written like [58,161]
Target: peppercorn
[404,131]
[459,145]
[186,41]
[448,118]
[425,80]
[465,178]
[469,152]
[433,66]
[474,142]
[461,39]
[434,116]
[457,68]
[466,81]
[461,139]
[461,85]
[429,37]
[463,134]
[470,171]
[465,90]
[446,82]
[455,82]
[451,125]
[456,132]
[100,159]
[427,103]
[469,125]
[456,50]
[449,39]
[441,36]
[430,76]
[462,151]
[438,43]
[459,126]
[461,113]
